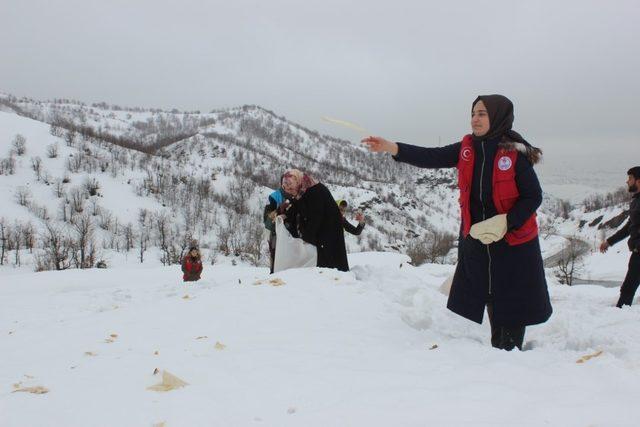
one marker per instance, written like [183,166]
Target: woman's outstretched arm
[422,157]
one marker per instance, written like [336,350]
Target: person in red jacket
[499,259]
[192,265]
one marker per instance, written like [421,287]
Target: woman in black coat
[318,218]
[499,259]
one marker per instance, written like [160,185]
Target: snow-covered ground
[375,346]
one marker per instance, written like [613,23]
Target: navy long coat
[511,278]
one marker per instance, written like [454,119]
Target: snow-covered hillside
[210,186]
[147,178]
[375,347]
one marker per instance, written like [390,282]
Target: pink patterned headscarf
[298,180]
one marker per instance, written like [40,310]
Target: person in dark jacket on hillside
[499,259]
[192,265]
[348,227]
[279,203]
[632,230]
[319,220]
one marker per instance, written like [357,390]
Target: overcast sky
[406,70]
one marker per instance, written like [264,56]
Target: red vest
[192,268]
[505,190]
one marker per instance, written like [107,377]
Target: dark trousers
[631,281]
[272,249]
[505,337]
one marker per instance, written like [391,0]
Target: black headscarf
[500,110]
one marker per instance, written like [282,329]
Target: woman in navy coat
[499,260]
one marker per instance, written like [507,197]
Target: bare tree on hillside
[242,236]
[240,191]
[19,144]
[439,245]
[38,210]
[8,166]
[29,235]
[58,188]
[91,186]
[36,165]
[56,130]
[129,236]
[84,254]
[23,196]
[76,200]
[548,228]
[163,228]
[70,138]
[143,232]
[599,201]
[432,248]
[565,208]
[570,262]
[65,210]
[52,150]
[105,220]
[56,246]
[224,236]
[17,238]
[3,240]
[74,162]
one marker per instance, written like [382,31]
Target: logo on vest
[466,154]
[504,163]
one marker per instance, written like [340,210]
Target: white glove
[490,230]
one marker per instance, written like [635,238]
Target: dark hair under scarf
[500,110]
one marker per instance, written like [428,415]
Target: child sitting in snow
[192,265]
